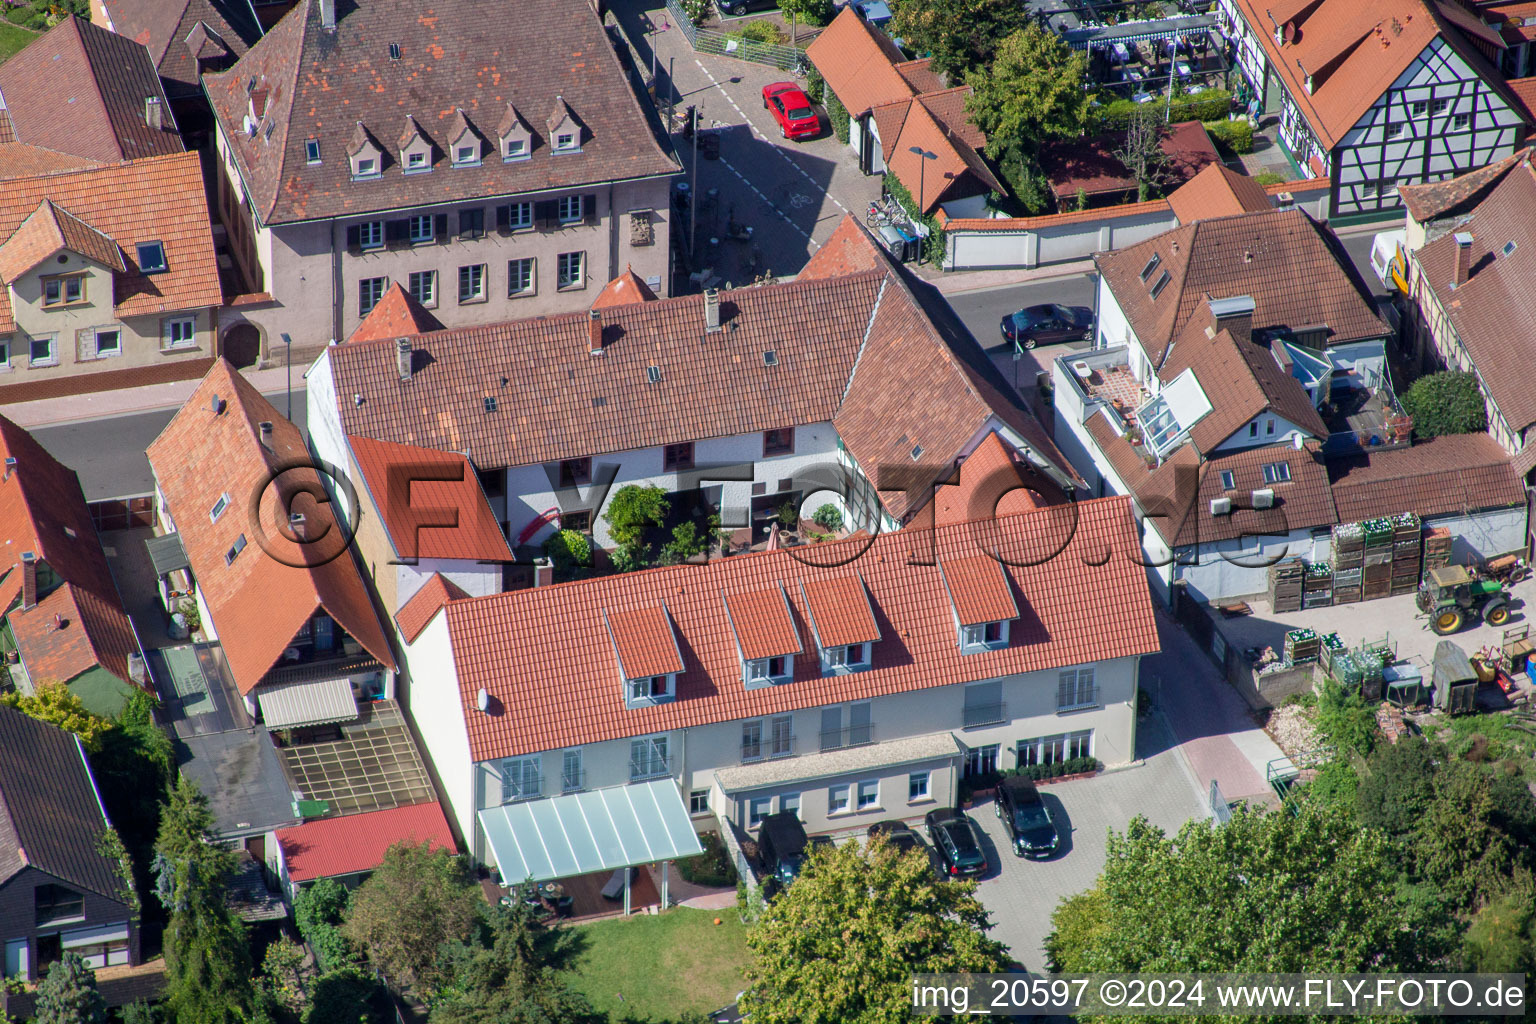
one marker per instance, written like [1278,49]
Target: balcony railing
[768,749]
[529,787]
[853,736]
[978,715]
[644,768]
[572,782]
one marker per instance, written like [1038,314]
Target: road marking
[767,202]
[754,130]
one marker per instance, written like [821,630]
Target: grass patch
[654,968]
[1504,740]
[13,38]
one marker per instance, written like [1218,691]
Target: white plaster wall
[438,711]
[1284,430]
[477,579]
[1484,534]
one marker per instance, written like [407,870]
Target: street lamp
[288,347]
[922,167]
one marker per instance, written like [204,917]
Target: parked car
[957,841]
[781,847]
[901,835]
[736,8]
[1028,822]
[1046,324]
[792,109]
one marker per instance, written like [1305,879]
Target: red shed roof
[357,842]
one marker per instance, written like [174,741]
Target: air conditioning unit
[1221,506]
[1264,498]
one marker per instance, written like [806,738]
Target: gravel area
[1291,727]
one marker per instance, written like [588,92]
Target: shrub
[1234,135]
[1071,766]
[1344,721]
[1445,403]
[697,10]
[712,867]
[828,517]
[567,548]
[815,85]
[837,114]
[1211,105]
[760,32]
[789,515]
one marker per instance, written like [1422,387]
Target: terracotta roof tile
[1091,166]
[763,624]
[1304,502]
[419,492]
[1455,474]
[322,83]
[43,510]
[546,661]
[17,160]
[49,229]
[953,156]
[423,606]
[859,63]
[993,481]
[161,199]
[1524,90]
[644,641]
[840,611]
[849,250]
[257,602]
[1492,311]
[623,290]
[179,31]
[979,590]
[919,75]
[1435,199]
[357,842]
[1290,265]
[1217,191]
[81,89]
[397,315]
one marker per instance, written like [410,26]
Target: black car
[1048,323]
[957,841]
[781,846]
[900,835]
[1031,830]
[736,8]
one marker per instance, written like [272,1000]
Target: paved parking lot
[1022,894]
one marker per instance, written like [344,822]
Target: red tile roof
[323,84]
[1455,474]
[160,199]
[544,657]
[418,612]
[48,230]
[430,502]
[19,160]
[839,610]
[43,510]
[353,843]
[762,623]
[644,641]
[1524,90]
[1217,191]
[993,481]
[274,585]
[1091,166]
[397,314]
[849,250]
[81,89]
[622,290]
[859,63]
[170,30]
[979,590]
[1435,199]
[936,124]
[1290,265]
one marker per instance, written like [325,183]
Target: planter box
[1065,778]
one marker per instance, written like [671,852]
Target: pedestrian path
[102,404]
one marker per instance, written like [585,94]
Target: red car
[791,107]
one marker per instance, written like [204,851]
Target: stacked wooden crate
[1377,578]
[1317,587]
[1330,647]
[1437,548]
[1348,562]
[1301,646]
[1285,583]
[1407,551]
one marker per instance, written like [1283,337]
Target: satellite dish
[484,699]
[1297,441]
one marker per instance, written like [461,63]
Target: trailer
[1455,680]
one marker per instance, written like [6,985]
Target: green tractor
[1453,593]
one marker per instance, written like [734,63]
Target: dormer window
[365,165]
[650,690]
[771,670]
[984,636]
[416,161]
[514,149]
[981,597]
[648,657]
[466,154]
[564,129]
[851,656]
[565,141]
[415,148]
[766,637]
[843,622]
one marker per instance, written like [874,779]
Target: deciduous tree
[1032,92]
[808,12]
[962,35]
[415,901]
[1446,403]
[840,945]
[56,704]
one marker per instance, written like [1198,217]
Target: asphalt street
[108,454]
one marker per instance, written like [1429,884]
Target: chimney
[711,310]
[1235,315]
[595,328]
[298,527]
[266,433]
[328,14]
[28,580]
[10,467]
[403,357]
[543,572]
[1463,259]
[154,112]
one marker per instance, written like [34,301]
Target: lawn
[653,968]
[1505,738]
[13,38]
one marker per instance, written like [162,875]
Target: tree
[282,970]
[1446,403]
[1142,152]
[1456,844]
[1344,721]
[1398,786]
[1267,892]
[1032,92]
[632,511]
[68,995]
[962,35]
[511,974]
[567,548]
[341,997]
[56,704]
[826,952]
[415,901]
[140,1013]
[207,959]
[811,12]
[688,542]
[1502,936]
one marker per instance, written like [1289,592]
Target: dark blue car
[1046,324]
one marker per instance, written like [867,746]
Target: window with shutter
[589,209]
[471,223]
[354,239]
[397,233]
[544,214]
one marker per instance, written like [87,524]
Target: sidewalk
[136,400]
[954,282]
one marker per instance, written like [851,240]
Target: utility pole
[693,189]
[288,346]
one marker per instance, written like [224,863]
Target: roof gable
[859,63]
[430,502]
[417,613]
[396,315]
[1217,191]
[181,33]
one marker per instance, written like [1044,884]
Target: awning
[166,554]
[1139,31]
[626,826]
[329,700]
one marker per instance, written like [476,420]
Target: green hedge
[815,85]
[1211,105]
[838,115]
[712,867]
[989,780]
[1235,135]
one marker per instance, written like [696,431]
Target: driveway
[1022,895]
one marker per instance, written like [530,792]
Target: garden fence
[726,44]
